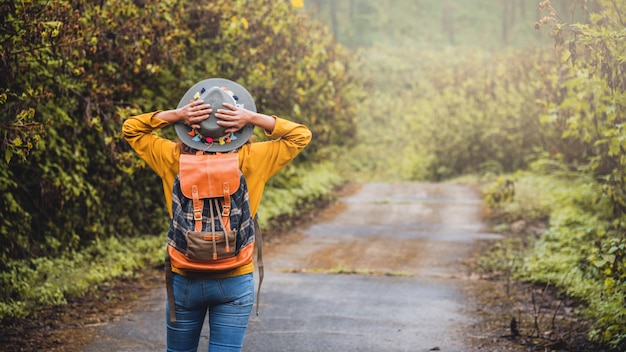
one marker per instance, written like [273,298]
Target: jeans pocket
[246,300]
[181,285]
[238,290]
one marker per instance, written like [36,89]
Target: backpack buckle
[226,210]
[197,214]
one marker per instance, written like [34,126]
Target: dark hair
[185,149]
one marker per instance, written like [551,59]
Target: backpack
[211,229]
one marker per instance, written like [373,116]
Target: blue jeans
[229,303]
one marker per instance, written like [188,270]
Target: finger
[196,104]
[230,107]
[199,105]
[203,111]
[225,120]
[225,114]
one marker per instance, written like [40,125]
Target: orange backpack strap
[226,206]
[198,204]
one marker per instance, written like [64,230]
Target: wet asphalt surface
[381,271]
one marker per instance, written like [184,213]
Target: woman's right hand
[194,112]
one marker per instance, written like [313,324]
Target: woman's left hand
[233,118]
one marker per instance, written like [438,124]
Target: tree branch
[619,15]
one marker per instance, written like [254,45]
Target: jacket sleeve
[265,159]
[158,152]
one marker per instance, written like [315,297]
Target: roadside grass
[561,235]
[29,286]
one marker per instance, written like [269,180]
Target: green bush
[580,252]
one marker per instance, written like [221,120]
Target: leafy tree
[589,106]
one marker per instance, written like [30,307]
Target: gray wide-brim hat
[210,136]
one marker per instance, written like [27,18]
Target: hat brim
[245,100]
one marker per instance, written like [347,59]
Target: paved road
[404,242]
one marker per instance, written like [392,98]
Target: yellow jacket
[257,161]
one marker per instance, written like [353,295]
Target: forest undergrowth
[549,295]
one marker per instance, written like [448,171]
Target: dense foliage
[71,71]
